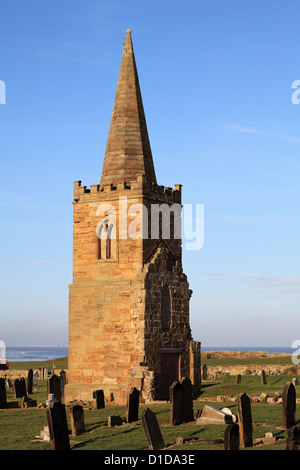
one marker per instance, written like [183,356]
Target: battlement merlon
[133,188]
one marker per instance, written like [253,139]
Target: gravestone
[35,379]
[63,374]
[132,405]
[295,381]
[58,426]
[9,383]
[238,379]
[293,440]
[152,430]
[99,402]
[209,414]
[19,388]
[45,373]
[204,372]
[77,420]
[288,405]
[2,393]
[54,386]
[114,421]
[176,409]
[232,437]
[263,378]
[244,419]
[187,400]
[29,381]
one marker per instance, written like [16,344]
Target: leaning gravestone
[288,405]
[187,400]
[29,381]
[152,430]
[263,378]
[58,426]
[176,411]
[132,405]
[19,388]
[77,420]
[99,402]
[2,393]
[244,419]
[232,437]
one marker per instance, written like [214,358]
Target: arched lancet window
[107,243]
[166,308]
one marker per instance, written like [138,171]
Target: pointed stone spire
[128,152]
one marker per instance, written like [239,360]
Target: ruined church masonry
[129,299]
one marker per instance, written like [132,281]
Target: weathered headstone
[232,437]
[19,388]
[99,402]
[114,421]
[244,419]
[29,381]
[295,381]
[54,386]
[204,372]
[63,374]
[187,400]
[45,373]
[263,378]
[58,426]
[176,409]
[209,414]
[238,379]
[35,379]
[77,420]
[288,405]
[2,393]
[9,383]
[152,430]
[132,405]
[293,440]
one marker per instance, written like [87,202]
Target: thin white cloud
[270,134]
[281,284]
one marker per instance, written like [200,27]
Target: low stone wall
[251,369]
[13,374]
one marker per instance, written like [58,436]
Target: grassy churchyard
[19,427]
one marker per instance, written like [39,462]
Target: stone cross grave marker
[58,426]
[99,402]
[77,420]
[132,405]
[244,420]
[29,381]
[152,430]
[232,437]
[19,388]
[288,405]
[2,393]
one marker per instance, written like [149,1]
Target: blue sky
[216,80]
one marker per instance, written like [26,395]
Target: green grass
[18,427]
[61,363]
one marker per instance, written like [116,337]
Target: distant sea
[34,353]
[43,353]
[268,349]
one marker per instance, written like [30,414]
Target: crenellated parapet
[137,188]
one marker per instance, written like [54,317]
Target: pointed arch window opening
[107,241]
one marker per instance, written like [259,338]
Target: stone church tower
[129,300]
